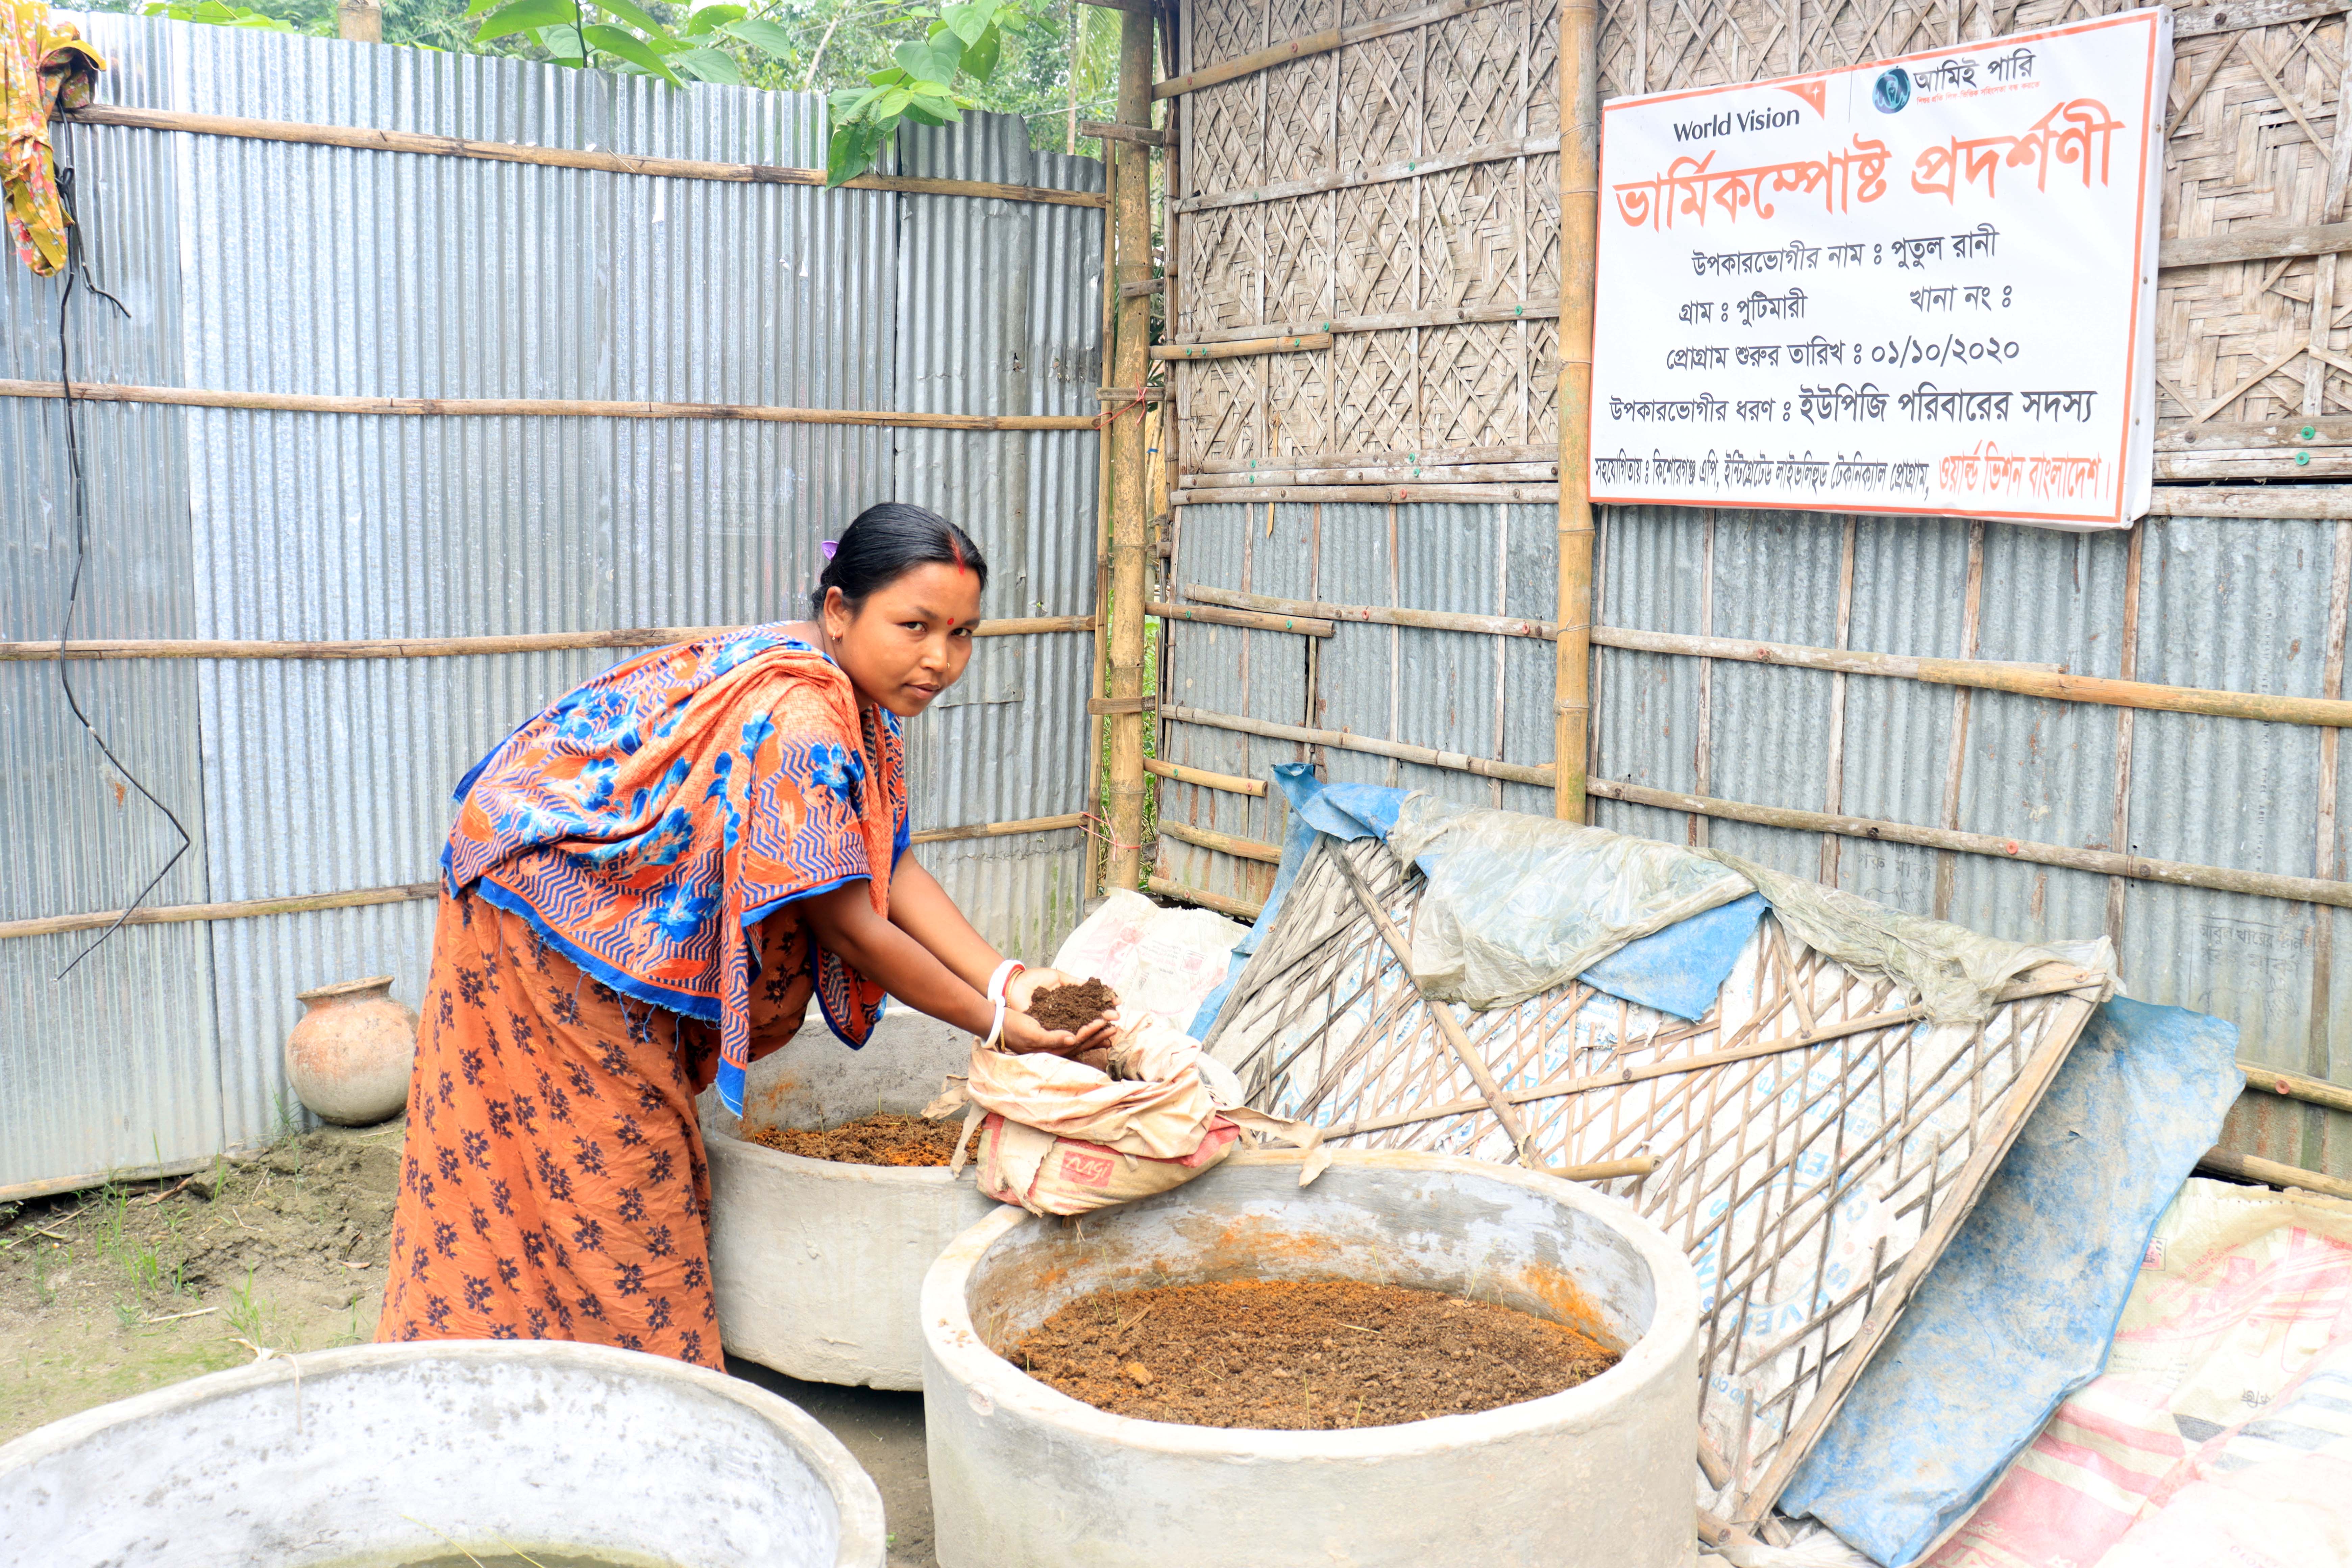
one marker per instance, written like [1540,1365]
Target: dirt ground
[107,1293]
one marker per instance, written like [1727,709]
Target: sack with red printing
[1059,1137]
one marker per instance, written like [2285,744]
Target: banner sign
[1924,285]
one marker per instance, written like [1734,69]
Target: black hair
[885,543]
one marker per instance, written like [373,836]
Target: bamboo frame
[1744,1112]
[446,647]
[543,407]
[372,141]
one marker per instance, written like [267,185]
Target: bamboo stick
[1369,494]
[998,829]
[1360,177]
[1240,348]
[2334,713]
[2098,862]
[547,407]
[242,909]
[1432,620]
[2272,1172]
[368,139]
[1453,316]
[1202,777]
[1239,909]
[1452,457]
[446,648]
[2261,1079]
[1428,756]
[1603,1170]
[1579,226]
[1317,43]
[1224,843]
[1304,626]
[1448,1026]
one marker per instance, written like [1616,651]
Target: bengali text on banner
[1923,286]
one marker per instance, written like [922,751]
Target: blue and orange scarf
[648,820]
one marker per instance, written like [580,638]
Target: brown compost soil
[881,1139]
[1301,1355]
[1072,1006]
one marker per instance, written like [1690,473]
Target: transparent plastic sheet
[1518,905]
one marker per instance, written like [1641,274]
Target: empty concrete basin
[817,1265]
[428,1453]
[1597,1476]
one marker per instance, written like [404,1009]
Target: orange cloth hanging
[44,67]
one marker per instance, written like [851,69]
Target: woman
[645,886]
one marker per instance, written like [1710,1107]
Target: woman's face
[911,638]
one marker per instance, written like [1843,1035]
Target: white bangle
[996,1026]
[1002,977]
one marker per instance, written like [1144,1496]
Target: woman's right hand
[1023,1035]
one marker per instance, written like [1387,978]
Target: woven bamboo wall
[1299,215]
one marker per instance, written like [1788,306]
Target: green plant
[217,13]
[245,1312]
[634,36]
[126,1311]
[962,41]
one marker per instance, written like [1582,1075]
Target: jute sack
[1059,1137]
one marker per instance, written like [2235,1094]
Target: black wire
[78,273]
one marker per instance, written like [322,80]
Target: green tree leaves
[962,46]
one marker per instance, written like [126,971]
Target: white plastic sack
[1061,1137]
[1164,962]
[2220,1430]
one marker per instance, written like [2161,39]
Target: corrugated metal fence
[258,266]
[2236,605]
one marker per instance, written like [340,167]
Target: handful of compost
[1067,1136]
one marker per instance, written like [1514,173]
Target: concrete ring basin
[818,1266]
[1600,1476]
[428,1453]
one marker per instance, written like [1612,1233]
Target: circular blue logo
[1893,92]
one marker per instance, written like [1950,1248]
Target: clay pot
[350,1056]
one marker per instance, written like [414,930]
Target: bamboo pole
[1304,626]
[1603,1170]
[2098,862]
[1368,494]
[1230,783]
[1131,222]
[1224,843]
[372,141]
[2272,1173]
[1098,846]
[1242,348]
[1428,756]
[445,648]
[1579,217]
[543,407]
[1238,909]
[249,909]
[2261,1079]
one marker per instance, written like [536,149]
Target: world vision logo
[1813,93]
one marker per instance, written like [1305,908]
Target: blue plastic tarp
[1677,970]
[2018,1312]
